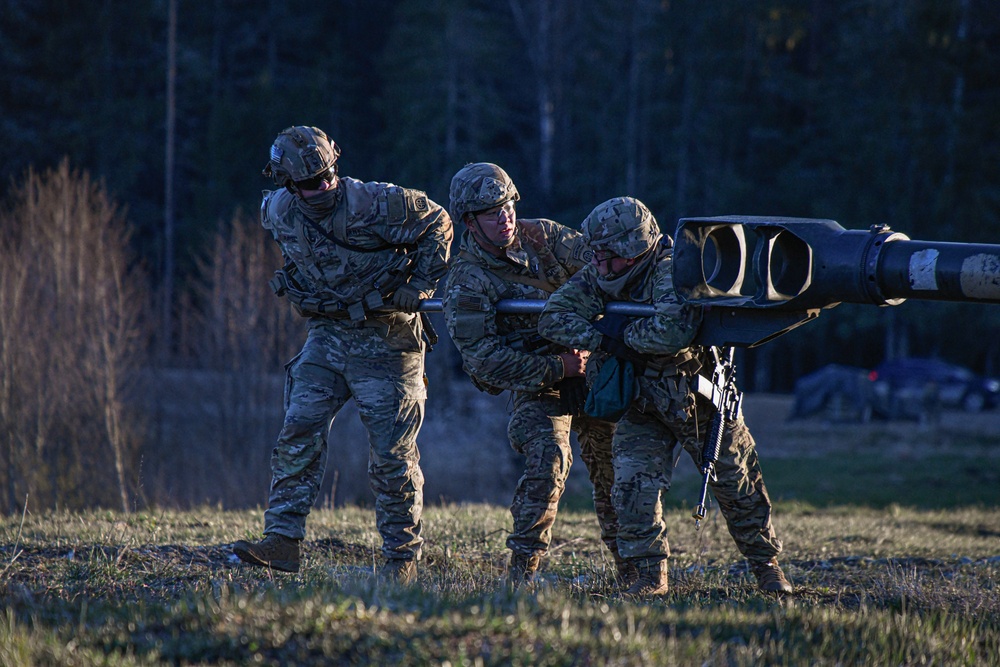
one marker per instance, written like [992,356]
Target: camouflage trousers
[384,375]
[644,452]
[538,432]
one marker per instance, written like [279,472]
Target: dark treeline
[863,111]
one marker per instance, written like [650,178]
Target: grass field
[892,539]
[890,586]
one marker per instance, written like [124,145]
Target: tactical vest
[329,275]
[546,273]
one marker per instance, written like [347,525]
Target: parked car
[835,393]
[906,385]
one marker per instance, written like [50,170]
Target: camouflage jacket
[499,350]
[570,310]
[378,237]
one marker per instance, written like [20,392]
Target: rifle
[728,401]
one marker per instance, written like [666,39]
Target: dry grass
[892,586]
[891,538]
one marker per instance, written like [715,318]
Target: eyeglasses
[495,212]
[604,255]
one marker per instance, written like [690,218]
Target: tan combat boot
[274,551]
[626,572]
[522,569]
[651,578]
[399,571]
[770,578]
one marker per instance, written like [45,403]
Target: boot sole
[396,579]
[776,589]
[250,558]
[647,594]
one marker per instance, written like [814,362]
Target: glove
[619,349]
[407,298]
[572,395]
[613,325]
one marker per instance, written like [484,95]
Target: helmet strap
[480,236]
[628,267]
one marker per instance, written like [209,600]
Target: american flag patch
[469,302]
[276,154]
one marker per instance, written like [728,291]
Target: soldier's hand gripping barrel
[764,276]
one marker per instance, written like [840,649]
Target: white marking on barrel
[923,265]
[980,277]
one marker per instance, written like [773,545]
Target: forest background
[140,349]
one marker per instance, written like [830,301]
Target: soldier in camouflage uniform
[632,262]
[503,257]
[359,257]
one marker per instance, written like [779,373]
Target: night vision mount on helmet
[302,157]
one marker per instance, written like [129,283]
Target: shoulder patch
[395,203]
[581,251]
[470,302]
[419,201]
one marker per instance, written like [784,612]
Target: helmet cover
[480,186]
[622,225]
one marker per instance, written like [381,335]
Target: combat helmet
[479,186]
[301,156]
[622,225]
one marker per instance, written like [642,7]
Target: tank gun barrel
[760,277]
[529,306]
[750,269]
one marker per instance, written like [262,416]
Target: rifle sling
[340,224]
